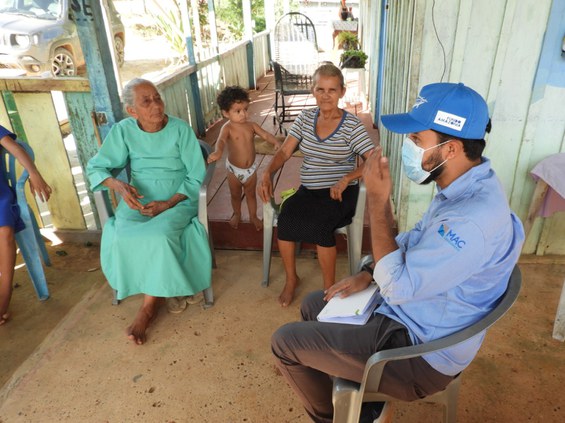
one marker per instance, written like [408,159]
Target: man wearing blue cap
[436,279]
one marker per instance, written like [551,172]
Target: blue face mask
[412,156]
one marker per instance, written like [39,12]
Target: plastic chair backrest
[203,194]
[353,231]
[29,240]
[368,389]
[372,372]
[11,167]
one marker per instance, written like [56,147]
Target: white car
[38,36]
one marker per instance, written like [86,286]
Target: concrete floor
[67,359]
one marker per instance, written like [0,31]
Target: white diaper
[241,174]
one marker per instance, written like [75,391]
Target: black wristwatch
[367,268]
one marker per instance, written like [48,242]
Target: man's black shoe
[370,411]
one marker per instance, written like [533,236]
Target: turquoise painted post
[94,40]
[248,35]
[93,37]
[250,65]
[200,129]
[269,49]
[381,63]
[195,89]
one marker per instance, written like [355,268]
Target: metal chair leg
[268,216]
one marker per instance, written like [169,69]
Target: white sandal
[176,305]
[195,299]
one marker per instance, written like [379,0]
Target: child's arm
[267,136]
[37,184]
[220,144]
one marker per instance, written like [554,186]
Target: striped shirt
[327,160]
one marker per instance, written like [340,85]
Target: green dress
[167,255]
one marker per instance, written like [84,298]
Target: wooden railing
[29,108]
[215,73]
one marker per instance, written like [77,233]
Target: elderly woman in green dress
[155,244]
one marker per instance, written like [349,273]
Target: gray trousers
[309,352]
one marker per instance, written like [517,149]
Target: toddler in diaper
[238,135]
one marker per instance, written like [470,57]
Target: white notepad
[354,310]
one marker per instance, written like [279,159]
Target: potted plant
[347,41]
[353,59]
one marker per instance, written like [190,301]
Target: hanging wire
[439,41]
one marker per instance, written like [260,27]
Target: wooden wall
[507,50]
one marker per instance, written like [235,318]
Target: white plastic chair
[105,211]
[348,396]
[353,233]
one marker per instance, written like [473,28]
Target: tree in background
[229,18]
[229,21]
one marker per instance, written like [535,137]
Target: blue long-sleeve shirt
[450,270]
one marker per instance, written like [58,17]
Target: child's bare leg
[235,195]
[327,257]
[287,250]
[7,262]
[249,188]
[145,315]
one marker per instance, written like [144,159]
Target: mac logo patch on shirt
[451,237]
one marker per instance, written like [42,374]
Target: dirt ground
[67,359]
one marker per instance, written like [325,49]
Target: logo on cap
[449,120]
[419,102]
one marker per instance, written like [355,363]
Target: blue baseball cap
[453,109]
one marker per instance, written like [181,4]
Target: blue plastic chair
[29,240]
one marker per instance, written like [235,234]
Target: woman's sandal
[195,299]
[176,305]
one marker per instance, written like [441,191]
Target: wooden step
[245,237]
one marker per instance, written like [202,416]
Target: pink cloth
[552,171]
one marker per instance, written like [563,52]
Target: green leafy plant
[347,41]
[171,27]
[229,18]
[353,59]
[169,24]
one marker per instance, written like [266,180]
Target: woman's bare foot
[257,222]
[145,315]
[234,221]
[4,318]
[287,294]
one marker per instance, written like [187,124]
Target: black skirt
[312,216]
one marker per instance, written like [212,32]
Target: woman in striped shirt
[331,139]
